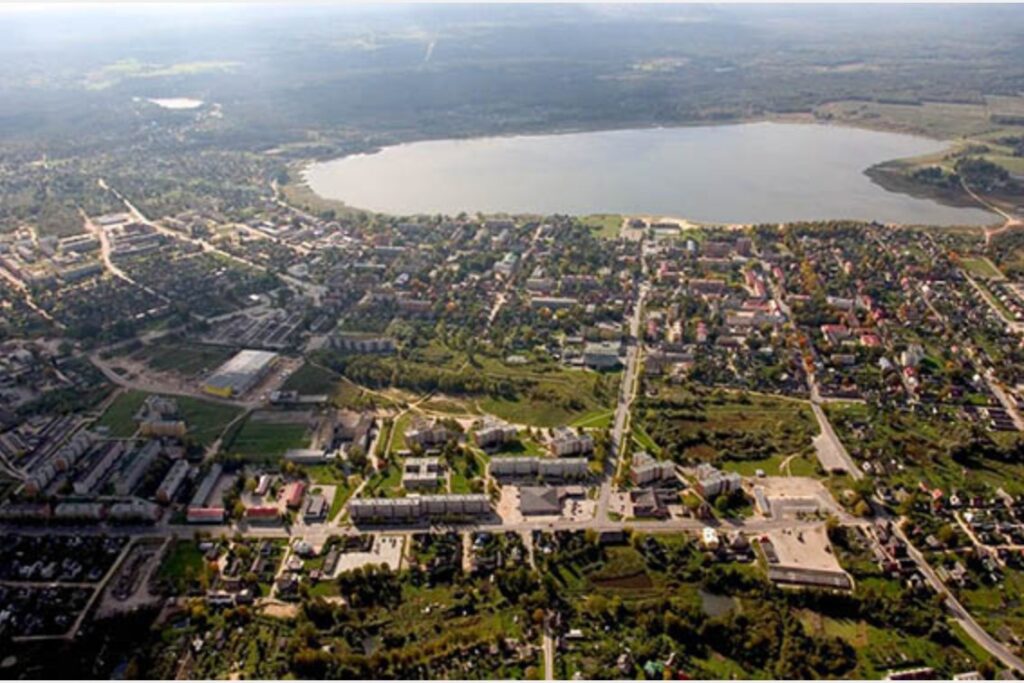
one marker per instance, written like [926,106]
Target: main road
[313,291]
[627,393]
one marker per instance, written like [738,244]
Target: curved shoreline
[882,174]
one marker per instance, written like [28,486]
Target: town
[261,431]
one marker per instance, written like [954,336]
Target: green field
[604,225]
[798,466]
[695,425]
[266,441]
[980,266]
[118,417]
[312,379]
[183,564]
[205,420]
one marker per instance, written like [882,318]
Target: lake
[746,173]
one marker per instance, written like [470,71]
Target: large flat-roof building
[172,482]
[568,441]
[645,469]
[421,473]
[416,508]
[240,374]
[542,468]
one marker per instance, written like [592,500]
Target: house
[709,537]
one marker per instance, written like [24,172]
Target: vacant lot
[191,360]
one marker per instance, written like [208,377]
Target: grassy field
[797,466]
[118,417]
[605,225]
[266,441]
[205,420]
[312,379]
[923,444]
[998,608]
[601,419]
[980,266]
[386,484]
[720,425]
[942,120]
[183,564]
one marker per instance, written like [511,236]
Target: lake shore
[813,162]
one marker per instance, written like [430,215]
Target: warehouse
[240,374]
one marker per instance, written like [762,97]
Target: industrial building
[240,374]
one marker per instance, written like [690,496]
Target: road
[1010,221]
[832,454]
[162,388]
[962,616]
[549,651]
[627,393]
[313,291]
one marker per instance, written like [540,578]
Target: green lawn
[311,379]
[980,266]
[601,419]
[205,420]
[604,225]
[266,441]
[183,564]
[799,466]
[118,417]
[385,484]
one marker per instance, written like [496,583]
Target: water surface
[748,173]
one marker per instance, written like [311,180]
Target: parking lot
[386,550]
